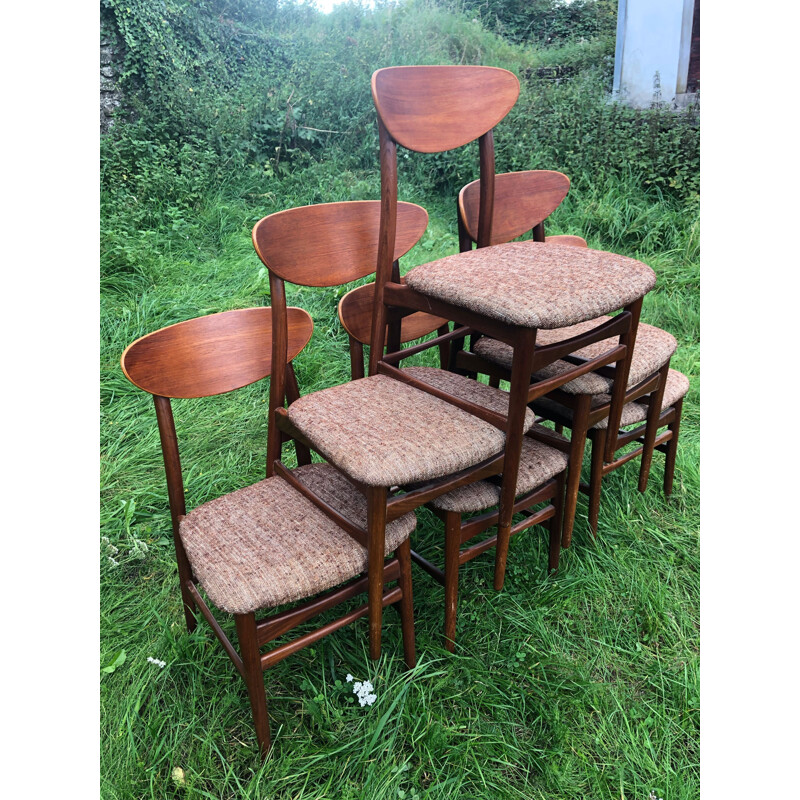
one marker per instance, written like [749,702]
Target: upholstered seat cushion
[468,389]
[632,413]
[535,284]
[267,544]
[383,432]
[538,463]
[653,348]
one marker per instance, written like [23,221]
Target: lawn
[582,684]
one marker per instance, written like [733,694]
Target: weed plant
[583,684]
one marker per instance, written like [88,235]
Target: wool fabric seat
[365,428]
[548,286]
[266,544]
[654,348]
[676,387]
[538,464]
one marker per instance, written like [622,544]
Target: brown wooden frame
[647,438]
[432,109]
[216,354]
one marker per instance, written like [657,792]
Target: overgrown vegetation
[585,685]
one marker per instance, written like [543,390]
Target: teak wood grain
[211,355]
[331,244]
[434,108]
[522,200]
[356,310]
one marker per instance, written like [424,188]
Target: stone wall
[110,96]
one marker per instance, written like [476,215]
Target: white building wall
[652,36]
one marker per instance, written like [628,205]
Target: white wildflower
[349,678]
[364,690]
[113,562]
[155,661]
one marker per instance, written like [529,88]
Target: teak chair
[661,408]
[541,476]
[522,201]
[382,433]
[431,109]
[263,545]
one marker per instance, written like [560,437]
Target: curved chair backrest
[211,355]
[434,108]
[430,109]
[522,200]
[332,243]
[355,314]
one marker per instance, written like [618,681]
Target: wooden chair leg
[494,381]
[559,428]
[403,554]
[184,576]
[672,446]
[254,677]
[452,545]
[598,438]
[376,536]
[580,428]
[556,524]
[517,406]
[651,428]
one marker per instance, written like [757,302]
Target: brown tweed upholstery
[534,284]
[266,544]
[366,428]
[538,464]
[652,350]
[632,413]
[468,389]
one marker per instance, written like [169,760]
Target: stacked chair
[372,450]
[654,395]
[541,475]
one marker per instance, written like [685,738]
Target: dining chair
[264,545]
[522,201]
[509,292]
[470,510]
[399,446]
[641,419]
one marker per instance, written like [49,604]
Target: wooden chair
[382,433]
[661,408]
[263,545]
[509,291]
[541,476]
[522,201]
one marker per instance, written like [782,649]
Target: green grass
[579,685]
